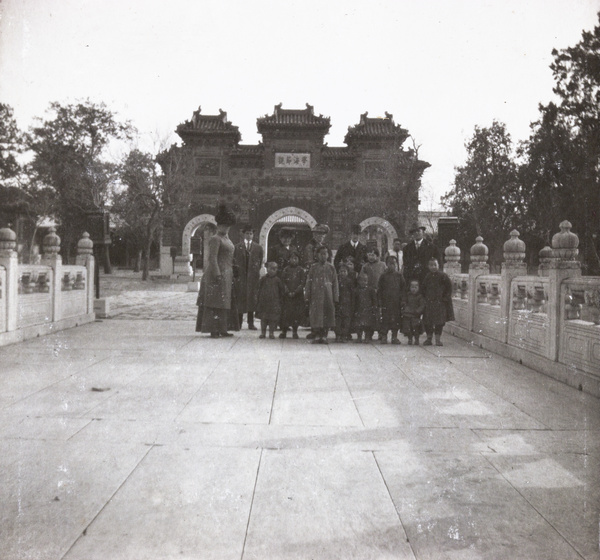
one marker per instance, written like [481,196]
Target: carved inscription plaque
[292,160]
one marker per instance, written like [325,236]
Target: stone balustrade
[39,299]
[550,322]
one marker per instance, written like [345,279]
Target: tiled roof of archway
[378,127]
[293,118]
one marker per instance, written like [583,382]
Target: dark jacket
[415,261]
[246,284]
[437,291]
[346,250]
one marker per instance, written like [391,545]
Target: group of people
[354,293]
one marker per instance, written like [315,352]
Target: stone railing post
[85,257]
[452,259]
[562,264]
[513,266]
[478,267]
[52,258]
[8,259]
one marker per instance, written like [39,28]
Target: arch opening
[296,219]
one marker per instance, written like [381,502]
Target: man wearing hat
[309,254]
[280,253]
[353,248]
[248,257]
[417,253]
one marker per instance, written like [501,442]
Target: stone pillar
[452,259]
[563,264]
[478,267]
[513,266]
[8,259]
[52,258]
[85,257]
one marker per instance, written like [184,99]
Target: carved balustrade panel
[529,321]
[579,331]
[487,318]
[74,280]
[35,295]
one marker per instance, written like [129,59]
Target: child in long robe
[437,291]
[365,308]
[270,296]
[390,296]
[343,312]
[293,278]
[412,325]
[321,293]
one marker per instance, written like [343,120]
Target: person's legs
[383,336]
[395,339]
[368,335]
[438,335]
[416,334]
[272,327]
[429,332]
[263,328]
[250,321]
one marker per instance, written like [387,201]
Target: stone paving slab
[138,438]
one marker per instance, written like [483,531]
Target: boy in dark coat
[270,296]
[343,311]
[365,309]
[390,296]
[412,326]
[437,291]
[294,311]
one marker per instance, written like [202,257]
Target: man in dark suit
[248,258]
[417,253]
[353,248]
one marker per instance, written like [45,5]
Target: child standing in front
[343,311]
[293,278]
[365,308]
[373,268]
[412,326]
[321,293]
[269,296]
[437,291]
[390,296]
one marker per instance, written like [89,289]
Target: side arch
[276,216]
[190,229]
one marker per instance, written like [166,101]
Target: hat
[415,227]
[356,228]
[285,232]
[225,217]
[247,227]
[321,228]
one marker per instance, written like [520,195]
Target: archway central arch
[278,215]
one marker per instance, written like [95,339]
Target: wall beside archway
[276,216]
[389,229]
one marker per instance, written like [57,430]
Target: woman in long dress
[214,299]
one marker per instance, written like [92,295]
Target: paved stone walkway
[135,438]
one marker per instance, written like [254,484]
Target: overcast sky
[440,67]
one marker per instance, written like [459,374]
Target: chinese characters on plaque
[297,161]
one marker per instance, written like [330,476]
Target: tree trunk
[146,269]
[137,264]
